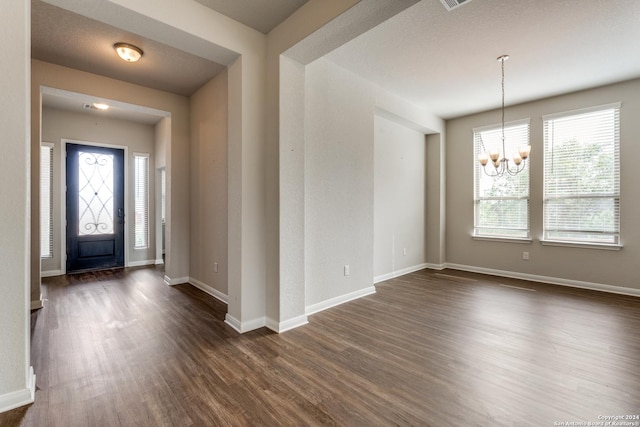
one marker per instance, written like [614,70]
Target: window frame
[145,184]
[478,174]
[584,242]
[49,242]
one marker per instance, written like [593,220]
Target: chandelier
[501,166]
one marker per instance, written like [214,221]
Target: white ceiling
[446,62]
[443,61]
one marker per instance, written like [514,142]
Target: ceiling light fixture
[100,106]
[128,52]
[499,160]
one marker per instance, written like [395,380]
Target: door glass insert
[95,198]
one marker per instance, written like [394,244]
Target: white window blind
[582,176]
[501,203]
[46,201]
[141,202]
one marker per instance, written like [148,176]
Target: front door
[95,208]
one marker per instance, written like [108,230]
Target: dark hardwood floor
[447,348]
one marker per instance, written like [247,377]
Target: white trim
[51,273]
[525,240]
[209,290]
[398,273]
[550,280]
[612,106]
[159,261]
[242,327]
[287,325]
[177,281]
[15,399]
[39,303]
[586,245]
[141,263]
[332,302]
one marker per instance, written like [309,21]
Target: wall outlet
[215,267]
[525,256]
[404,251]
[347,270]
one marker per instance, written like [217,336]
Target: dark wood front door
[95,207]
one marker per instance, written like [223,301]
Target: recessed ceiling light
[128,52]
[100,106]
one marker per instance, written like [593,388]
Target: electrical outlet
[347,270]
[525,256]
[215,267]
[404,251]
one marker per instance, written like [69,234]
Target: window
[582,176]
[46,201]
[501,203]
[141,202]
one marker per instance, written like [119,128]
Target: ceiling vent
[452,4]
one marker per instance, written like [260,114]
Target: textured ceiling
[446,61]
[65,38]
[442,61]
[261,15]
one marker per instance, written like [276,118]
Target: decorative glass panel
[95,198]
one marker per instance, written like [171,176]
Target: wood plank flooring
[120,348]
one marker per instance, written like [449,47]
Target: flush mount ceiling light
[128,52]
[96,106]
[499,159]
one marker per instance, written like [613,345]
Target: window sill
[587,245]
[524,240]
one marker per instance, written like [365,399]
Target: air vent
[452,4]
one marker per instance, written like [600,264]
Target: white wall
[17,385]
[399,199]
[577,266]
[208,239]
[340,108]
[93,128]
[338,182]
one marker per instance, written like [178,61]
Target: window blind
[46,201]
[141,202]
[582,175]
[501,203]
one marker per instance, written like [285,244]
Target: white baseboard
[242,327]
[159,261]
[177,281]
[332,302]
[51,273]
[550,280]
[39,303]
[15,399]
[287,325]
[141,263]
[209,290]
[402,272]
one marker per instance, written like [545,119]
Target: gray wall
[577,266]
[208,238]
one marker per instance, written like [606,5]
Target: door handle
[120,213]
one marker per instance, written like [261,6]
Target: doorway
[94,207]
